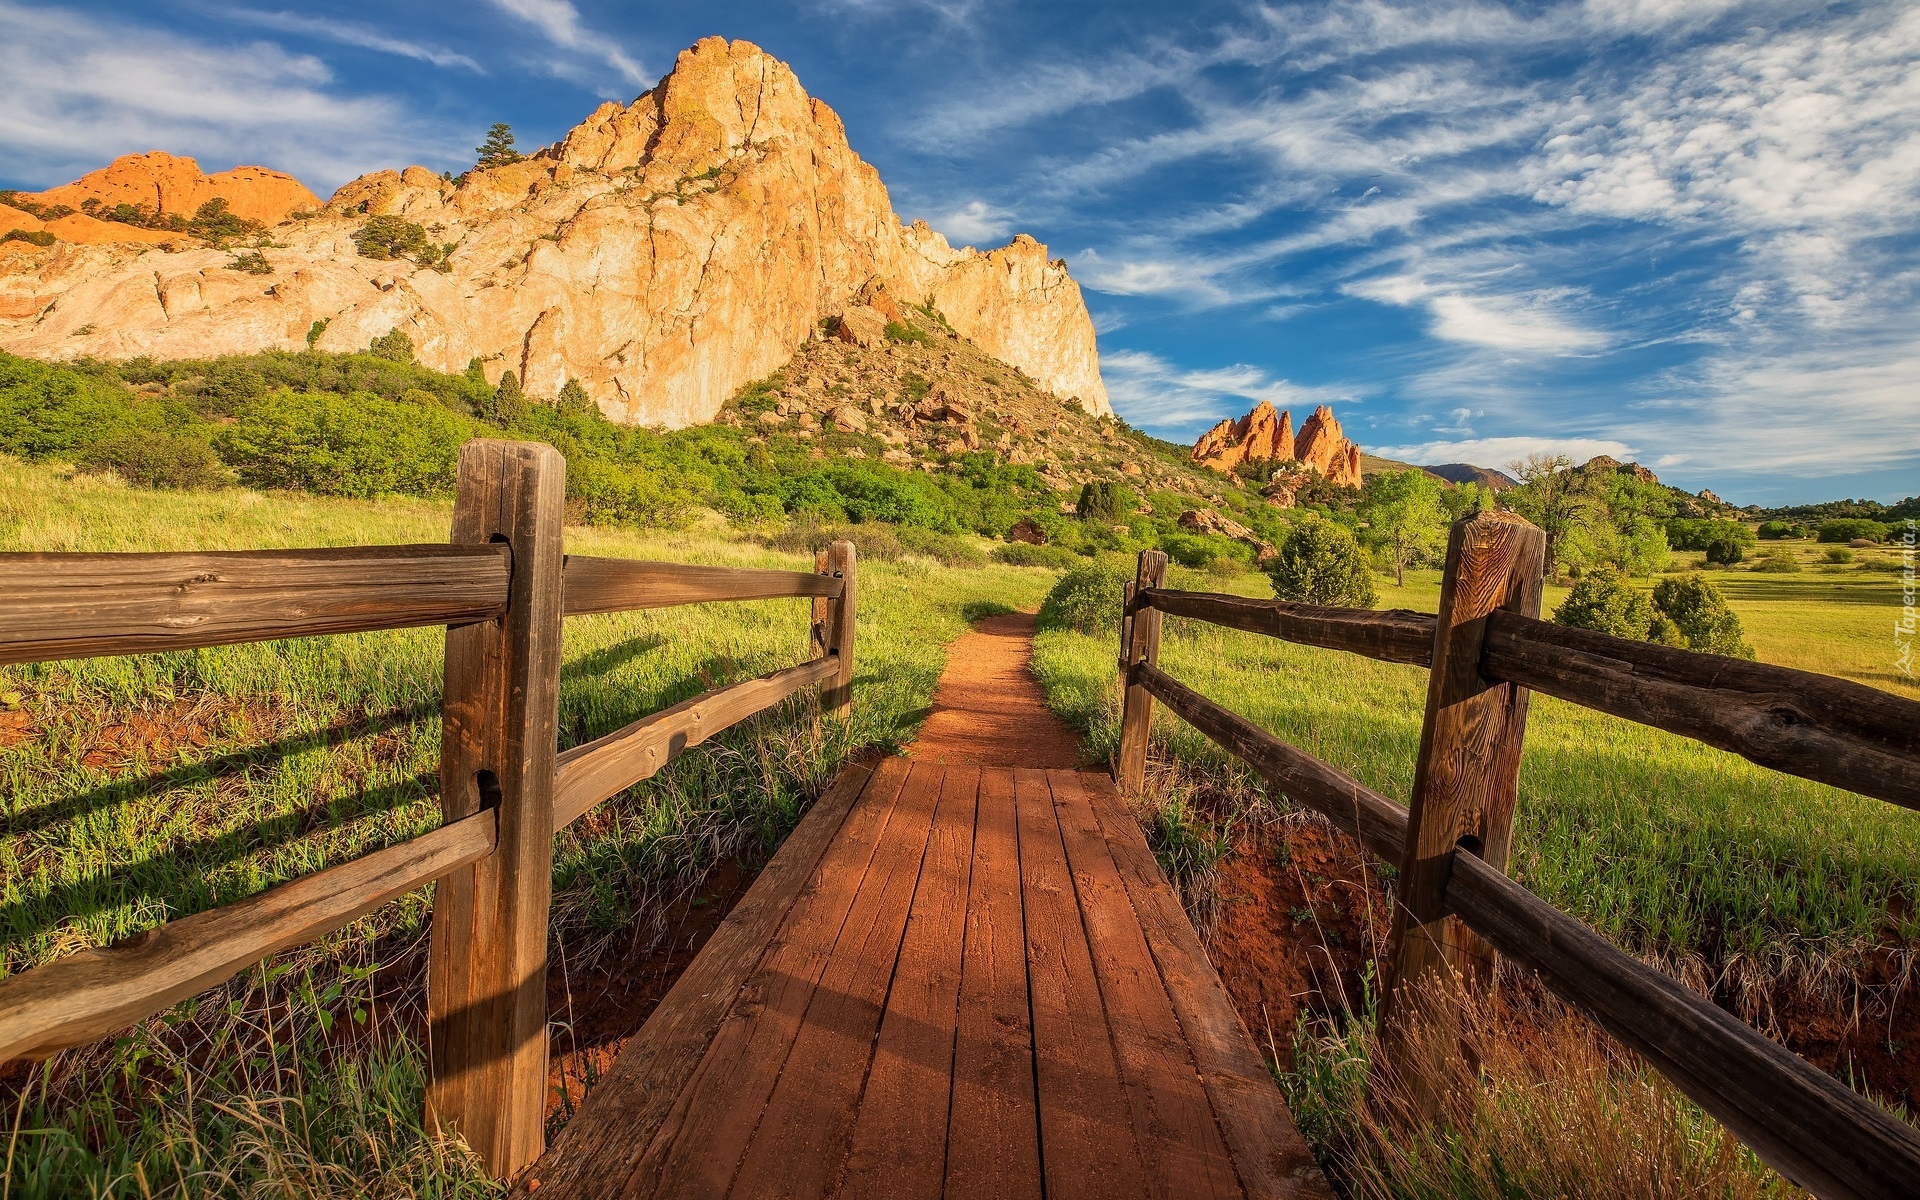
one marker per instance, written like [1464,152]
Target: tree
[387,236]
[509,403]
[1320,563]
[497,150]
[1606,602]
[396,346]
[574,399]
[1403,512]
[1700,612]
[1553,496]
[1466,500]
[1104,501]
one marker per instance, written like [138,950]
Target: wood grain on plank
[1395,635]
[1136,705]
[1272,1159]
[993,1135]
[805,1130]
[1087,1134]
[1831,730]
[94,993]
[837,630]
[1810,1127]
[55,606]
[605,1139]
[604,585]
[608,765]
[1173,1121]
[697,1147]
[900,1137]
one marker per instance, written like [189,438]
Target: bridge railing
[502,589]
[1454,903]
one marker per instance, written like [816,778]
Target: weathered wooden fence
[502,588]
[1486,651]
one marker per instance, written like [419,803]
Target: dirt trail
[989,710]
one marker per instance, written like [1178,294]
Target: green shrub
[394,346]
[252,262]
[1320,563]
[33,237]
[1839,554]
[1087,598]
[212,222]
[316,329]
[1773,531]
[1605,602]
[1698,534]
[152,458]
[387,236]
[1023,554]
[1726,548]
[1206,551]
[1105,501]
[948,549]
[508,404]
[1847,529]
[1700,613]
[1779,560]
[907,334]
[358,445]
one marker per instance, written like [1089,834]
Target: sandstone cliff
[663,253]
[160,182]
[1264,435]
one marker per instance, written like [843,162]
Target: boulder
[848,419]
[1208,521]
[1025,530]
[862,326]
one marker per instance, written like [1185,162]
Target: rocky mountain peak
[1264,435]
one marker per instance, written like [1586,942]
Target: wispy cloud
[559,22]
[1174,401]
[976,222]
[352,33]
[1498,452]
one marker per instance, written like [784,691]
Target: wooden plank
[1395,635]
[1143,646]
[1814,726]
[606,766]
[1358,810]
[1173,1121]
[487,963]
[605,585]
[1272,1159]
[55,606]
[1087,1133]
[807,1127]
[900,1137]
[696,1148]
[94,993]
[837,629]
[1464,778]
[993,1135]
[1814,1130]
[606,1138]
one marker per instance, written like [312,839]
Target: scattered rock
[861,326]
[848,419]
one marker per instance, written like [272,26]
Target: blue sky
[1682,231]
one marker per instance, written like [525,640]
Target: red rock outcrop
[161,182]
[1261,434]
[663,254]
[1264,435]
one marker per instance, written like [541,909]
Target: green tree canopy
[497,150]
[1320,563]
[1404,514]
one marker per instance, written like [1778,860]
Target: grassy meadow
[140,789]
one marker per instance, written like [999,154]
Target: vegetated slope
[662,254]
[1486,477]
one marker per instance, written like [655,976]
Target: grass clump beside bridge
[144,788]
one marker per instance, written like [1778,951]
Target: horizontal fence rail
[604,585]
[609,765]
[55,606]
[1829,730]
[1804,1123]
[93,993]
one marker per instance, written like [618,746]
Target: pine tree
[574,399]
[497,150]
[509,402]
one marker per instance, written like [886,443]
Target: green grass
[1674,850]
[140,789]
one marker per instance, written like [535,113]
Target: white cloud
[351,33]
[1497,452]
[82,92]
[974,223]
[1515,322]
[1157,395]
[559,22]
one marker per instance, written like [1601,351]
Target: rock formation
[1208,521]
[663,254]
[1264,435]
[160,182]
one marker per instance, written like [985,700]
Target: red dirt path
[988,710]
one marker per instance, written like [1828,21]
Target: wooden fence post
[1142,645]
[1464,785]
[833,627]
[487,968]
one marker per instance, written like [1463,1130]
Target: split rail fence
[1486,651]
[501,587]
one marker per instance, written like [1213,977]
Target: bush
[1694,533]
[151,458]
[1700,613]
[1849,528]
[1087,598]
[358,445]
[907,334]
[1773,531]
[1779,560]
[1725,548]
[1021,554]
[1320,563]
[1839,554]
[252,262]
[1206,551]
[387,236]
[1106,502]
[395,346]
[1605,602]
[33,237]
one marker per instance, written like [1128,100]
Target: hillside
[662,255]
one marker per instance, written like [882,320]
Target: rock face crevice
[663,253]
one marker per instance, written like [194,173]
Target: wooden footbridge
[950,980]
